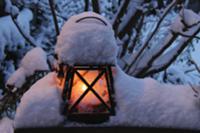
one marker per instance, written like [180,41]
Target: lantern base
[89,118]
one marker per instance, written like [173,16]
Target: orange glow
[90,101]
[83,88]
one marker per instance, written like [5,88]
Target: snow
[9,69]
[6,125]
[132,8]
[40,105]
[176,75]
[195,55]
[18,78]
[140,102]
[34,60]
[89,41]
[145,102]
[10,35]
[24,19]
[189,17]
[162,60]
[11,8]
[177,26]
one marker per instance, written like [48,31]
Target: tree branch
[125,47]
[173,58]
[52,7]
[184,35]
[138,32]
[173,3]
[119,15]
[131,22]
[86,5]
[95,5]
[195,91]
[27,38]
[195,65]
[157,54]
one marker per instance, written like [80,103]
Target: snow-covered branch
[184,35]
[145,45]
[119,15]
[131,18]
[28,38]
[149,57]
[137,36]
[169,57]
[195,65]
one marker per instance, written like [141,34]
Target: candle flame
[84,87]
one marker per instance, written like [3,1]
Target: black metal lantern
[88,93]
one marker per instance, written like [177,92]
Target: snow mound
[86,38]
[40,105]
[186,16]
[35,59]
[177,26]
[18,78]
[24,19]
[9,8]
[189,17]
[6,125]
[147,103]
[139,102]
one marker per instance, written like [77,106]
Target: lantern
[88,93]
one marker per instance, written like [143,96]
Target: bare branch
[131,23]
[95,5]
[125,47]
[195,65]
[167,44]
[119,15]
[173,57]
[138,29]
[173,3]
[86,5]
[195,91]
[27,38]
[184,35]
[52,7]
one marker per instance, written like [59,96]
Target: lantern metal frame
[95,117]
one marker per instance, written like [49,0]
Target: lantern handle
[92,17]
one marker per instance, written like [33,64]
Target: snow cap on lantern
[86,38]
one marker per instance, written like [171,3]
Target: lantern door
[89,92]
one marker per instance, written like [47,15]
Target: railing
[115,129]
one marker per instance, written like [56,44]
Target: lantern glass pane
[101,88]
[89,75]
[90,103]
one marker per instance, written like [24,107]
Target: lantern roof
[86,38]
